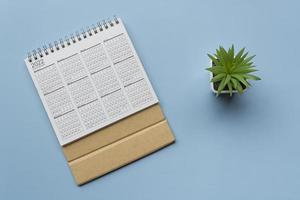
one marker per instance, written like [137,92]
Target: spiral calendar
[90,80]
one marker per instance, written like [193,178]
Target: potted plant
[230,72]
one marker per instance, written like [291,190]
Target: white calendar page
[91,83]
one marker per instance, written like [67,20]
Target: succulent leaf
[251,77]
[239,88]
[230,88]
[221,86]
[218,77]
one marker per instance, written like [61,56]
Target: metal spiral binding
[74,38]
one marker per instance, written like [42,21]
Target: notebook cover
[118,144]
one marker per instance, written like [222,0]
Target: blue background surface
[245,148]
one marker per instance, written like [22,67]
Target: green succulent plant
[231,71]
